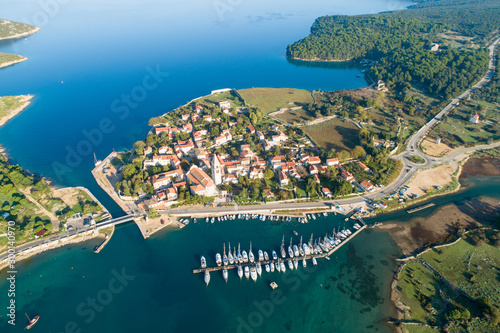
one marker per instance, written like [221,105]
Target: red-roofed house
[347,176]
[251,128]
[366,185]
[282,178]
[185,117]
[332,162]
[363,166]
[326,192]
[313,160]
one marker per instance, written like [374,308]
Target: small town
[204,151]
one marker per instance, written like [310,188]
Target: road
[408,171]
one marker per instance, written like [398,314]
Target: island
[13,30]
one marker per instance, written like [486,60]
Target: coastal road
[41,241]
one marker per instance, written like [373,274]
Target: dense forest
[491,92]
[347,37]
[399,42]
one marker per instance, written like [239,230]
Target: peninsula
[13,30]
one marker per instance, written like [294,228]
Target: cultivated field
[333,134]
[273,99]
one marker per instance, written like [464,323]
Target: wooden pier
[420,208]
[307,257]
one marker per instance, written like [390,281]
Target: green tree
[139,147]
[268,174]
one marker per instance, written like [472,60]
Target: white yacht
[261,255]
[203,262]
[314,261]
[296,263]
[290,265]
[245,256]
[253,273]
[266,256]
[268,268]
[230,255]
[283,252]
[304,263]
[296,250]
[240,271]
[224,274]
[278,266]
[239,256]
[251,257]
[259,269]
[290,249]
[207,277]
[224,257]
[218,259]
[275,256]
[272,267]
[247,272]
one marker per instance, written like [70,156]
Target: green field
[333,134]
[417,329]
[8,57]
[456,129]
[272,99]
[477,278]
[416,281]
[295,116]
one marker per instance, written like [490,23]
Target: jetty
[307,257]
[416,209]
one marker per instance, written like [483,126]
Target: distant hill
[10,29]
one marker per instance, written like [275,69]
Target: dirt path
[45,211]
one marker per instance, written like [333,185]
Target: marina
[310,251]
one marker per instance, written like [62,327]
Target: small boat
[266,256]
[272,267]
[253,273]
[261,255]
[251,257]
[259,269]
[296,263]
[207,277]
[325,214]
[290,265]
[268,268]
[245,256]
[240,271]
[218,259]
[275,256]
[32,322]
[295,233]
[240,258]
[213,219]
[327,258]
[224,257]
[290,249]
[278,266]
[207,220]
[304,263]
[283,252]
[314,261]
[274,285]
[296,250]
[283,268]
[247,272]
[203,262]
[195,221]
[224,274]
[230,255]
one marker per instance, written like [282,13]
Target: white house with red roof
[347,176]
[332,162]
[161,160]
[366,185]
[326,192]
[474,119]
